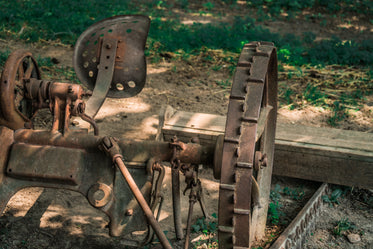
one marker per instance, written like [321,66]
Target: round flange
[16,111]
[129,76]
[250,131]
[99,195]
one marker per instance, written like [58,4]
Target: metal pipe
[134,151]
[142,202]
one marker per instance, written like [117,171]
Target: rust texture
[294,235]
[176,146]
[15,110]
[23,93]
[112,149]
[129,73]
[254,88]
[109,59]
[135,151]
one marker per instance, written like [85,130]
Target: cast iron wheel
[248,146]
[16,111]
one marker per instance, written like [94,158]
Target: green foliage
[287,95]
[209,6]
[224,83]
[313,95]
[309,37]
[275,195]
[184,4]
[216,67]
[296,194]
[3,57]
[274,213]
[275,8]
[333,198]
[342,226]
[44,61]
[335,51]
[66,20]
[339,113]
[204,226]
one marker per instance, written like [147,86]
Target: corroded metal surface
[104,77]
[15,110]
[135,151]
[109,58]
[254,89]
[129,75]
[111,148]
[23,93]
[73,161]
[294,235]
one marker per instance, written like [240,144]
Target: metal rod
[142,202]
[192,201]
[176,202]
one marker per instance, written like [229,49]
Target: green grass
[65,20]
[342,226]
[275,8]
[3,56]
[208,228]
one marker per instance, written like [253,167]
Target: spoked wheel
[247,148]
[16,110]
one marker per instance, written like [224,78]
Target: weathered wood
[319,154]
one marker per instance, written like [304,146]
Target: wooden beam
[319,154]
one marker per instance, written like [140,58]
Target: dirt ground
[48,218]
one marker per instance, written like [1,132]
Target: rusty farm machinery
[109,61]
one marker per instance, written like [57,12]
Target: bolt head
[129,212]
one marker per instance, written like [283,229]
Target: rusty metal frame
[113,64]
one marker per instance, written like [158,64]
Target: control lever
[110,146]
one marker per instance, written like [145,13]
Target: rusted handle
[112,149]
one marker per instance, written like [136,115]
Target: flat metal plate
[45,164]
[129,75]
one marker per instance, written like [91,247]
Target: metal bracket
[104,76]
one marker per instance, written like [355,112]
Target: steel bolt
[129,212]
[108,46]
[70,89]
[264,160]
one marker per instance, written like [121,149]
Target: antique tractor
[109,61]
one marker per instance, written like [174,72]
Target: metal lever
[110,146]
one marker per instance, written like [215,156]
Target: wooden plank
[319,154]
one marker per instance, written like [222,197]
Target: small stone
[353,238]
[16,242]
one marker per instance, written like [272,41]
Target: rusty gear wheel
[250,129]
[16,111]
